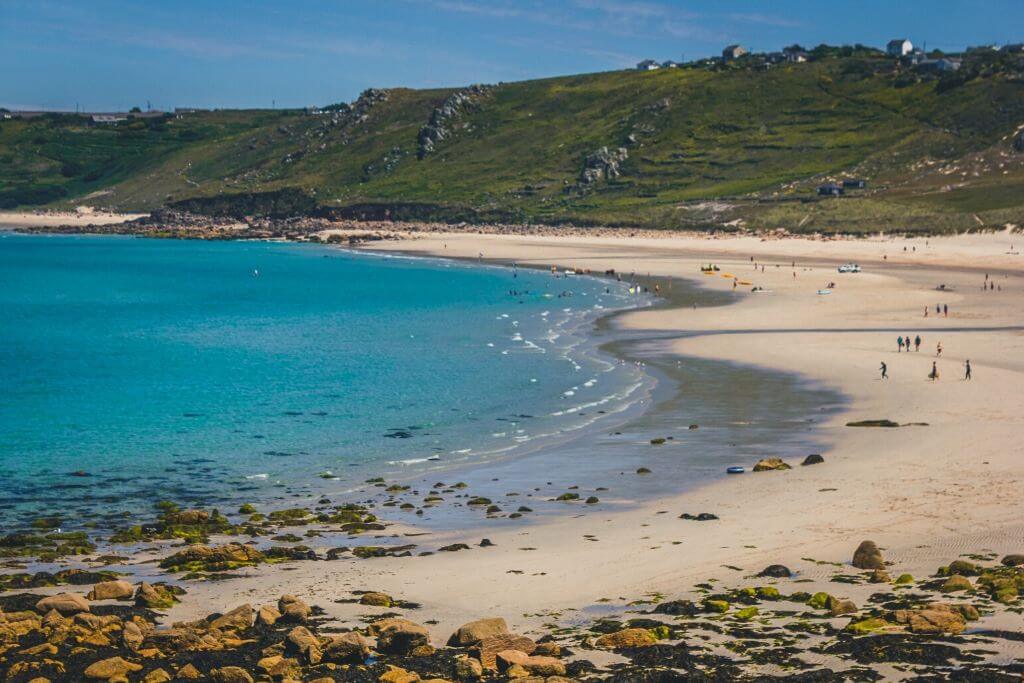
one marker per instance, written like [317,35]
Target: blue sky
[113,54]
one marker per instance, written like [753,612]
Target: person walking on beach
[945,310]
[934,374]
[926,311]
[938,349]
[917,343]
[885,370]
[899,342]
[967,370]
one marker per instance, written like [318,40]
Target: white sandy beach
[926,494]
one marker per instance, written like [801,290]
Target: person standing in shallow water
[885,370]
[967,369]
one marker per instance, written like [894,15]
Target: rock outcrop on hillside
[444,119]
[603,165]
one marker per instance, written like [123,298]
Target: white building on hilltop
[899,47]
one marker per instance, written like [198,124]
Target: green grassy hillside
[704,147]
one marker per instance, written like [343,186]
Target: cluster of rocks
[602,164]
[443,119]
[112,634]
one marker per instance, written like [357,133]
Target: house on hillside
[795,56]
[648,65]
[669,64]
[733,52]
[854,184]
[943,65]
[914,57]
[830,190]
[108,118]
[899,47]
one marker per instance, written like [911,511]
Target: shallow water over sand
[210,373]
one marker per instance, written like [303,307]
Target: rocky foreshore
[180,224]
[931,629]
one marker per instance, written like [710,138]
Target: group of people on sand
[934,373]
[940,309]
[917,343]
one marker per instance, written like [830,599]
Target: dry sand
[926,494]
[83,216]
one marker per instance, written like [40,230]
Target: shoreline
[926,494]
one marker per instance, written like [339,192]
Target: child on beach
[934,374]
[938,349]
[885,371]
[967,369]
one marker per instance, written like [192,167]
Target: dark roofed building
[830,190]
[733,52]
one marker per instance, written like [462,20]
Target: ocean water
[213,372]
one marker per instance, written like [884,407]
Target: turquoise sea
[212,372]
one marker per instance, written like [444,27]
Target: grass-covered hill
[733,145]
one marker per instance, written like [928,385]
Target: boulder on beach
[475,631]
[868,556]
[932,619]
[489,647]
[112,669]
[155,596]
[112,590]
[956,583]
[768,464]
[65,603]
[397,636]
[293,609]
[777,571]
[238,619]
[536,665]
[813,459]
[1014,560]
[629,637]
[376,599]
[346,648]
[230,674]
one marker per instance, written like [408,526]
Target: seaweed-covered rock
[155,596]
[813,459]
[204,558]
[629,637]
[684,608]
[376,599]
[769,464]
[956,583]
